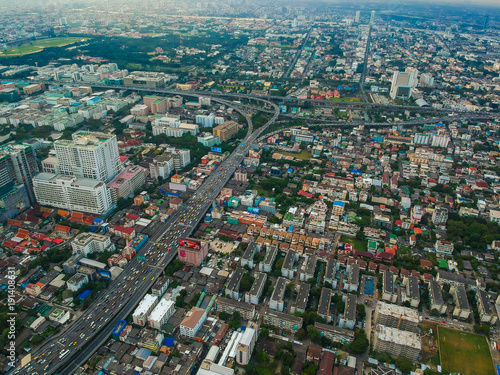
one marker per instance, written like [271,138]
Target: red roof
[127,230]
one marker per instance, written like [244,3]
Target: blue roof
[97,220]
[84,294]
[169,342]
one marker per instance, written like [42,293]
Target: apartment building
[88,243]
[412,291]
[127,182]
[308,268]
[324,304]
[233,286]
[161,313]
[147,304]
[246,346]
[487,311]
[397,342]
[247,258]
[253,296]
[462,308]
[276,301]
[396,316]
[436,297]
[89,155]
[226,130]
[191,324]
[389,293]
[283,321]
[300,303]
[288,270]
[267,264]
[352,282]
[336,334]
[330,273]
[348,319]
[246,310]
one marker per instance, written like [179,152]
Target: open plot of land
[304,155]
[464,353]
[38,45]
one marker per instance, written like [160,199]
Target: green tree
[404,364]
[235,321]
[360,343]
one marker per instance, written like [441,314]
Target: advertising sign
[216,149]
[191,243]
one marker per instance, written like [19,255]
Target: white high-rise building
[87,155]
[181,158]
[245,348]
[372,17]
[71,193]
[356,18]
[402,84]
[145,307]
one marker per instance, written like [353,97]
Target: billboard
[105,274]
[216,149]
[191,243]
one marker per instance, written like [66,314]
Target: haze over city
[249,187]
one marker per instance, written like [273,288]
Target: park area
[39,45]
[464,353]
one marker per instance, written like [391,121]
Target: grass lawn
[357,244]
[464,353]
[345,99]
[304,155]
[38,45]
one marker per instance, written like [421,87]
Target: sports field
[464,353]
[38,45]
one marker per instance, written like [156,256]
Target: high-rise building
[372,17]
[87,155]
[17,167]
[71,193]
[356,18]
[402,84]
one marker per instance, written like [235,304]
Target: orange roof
[62,228]
[22,233]
[40,284]
[63,213]
[76,215]
[418,231]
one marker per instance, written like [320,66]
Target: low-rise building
[282,321]
[276,301]
[309,267]
[324,304]
[161,313]
[267,264]
[233,286]
[436,297]
[87,243]
[148,303]
[348,319]
[229,306]
[352,282]
[300,303]
[487,312]
[412,291]
[444,247]
[257,289]
[336,334]
[389,293]
[288,270]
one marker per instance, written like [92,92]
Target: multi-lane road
[64,354]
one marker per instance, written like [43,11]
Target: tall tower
[372,17]
[356,18]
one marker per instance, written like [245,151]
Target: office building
[161,313]
[88,155]
[397,342]
[226,130]
[192,322]
[140,314]
[71,193]
[145,79]
[246,346]
[192,251]
[162,166]
[402,85]
[17,167]
[88,243]
[156,104]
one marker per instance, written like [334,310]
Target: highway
[365,65]
[73,347]
[297,55]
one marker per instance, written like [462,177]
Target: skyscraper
[17,167]
[356,18]
[372,18]
[87,155]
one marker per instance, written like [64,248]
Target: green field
[464,353]
[38,45]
